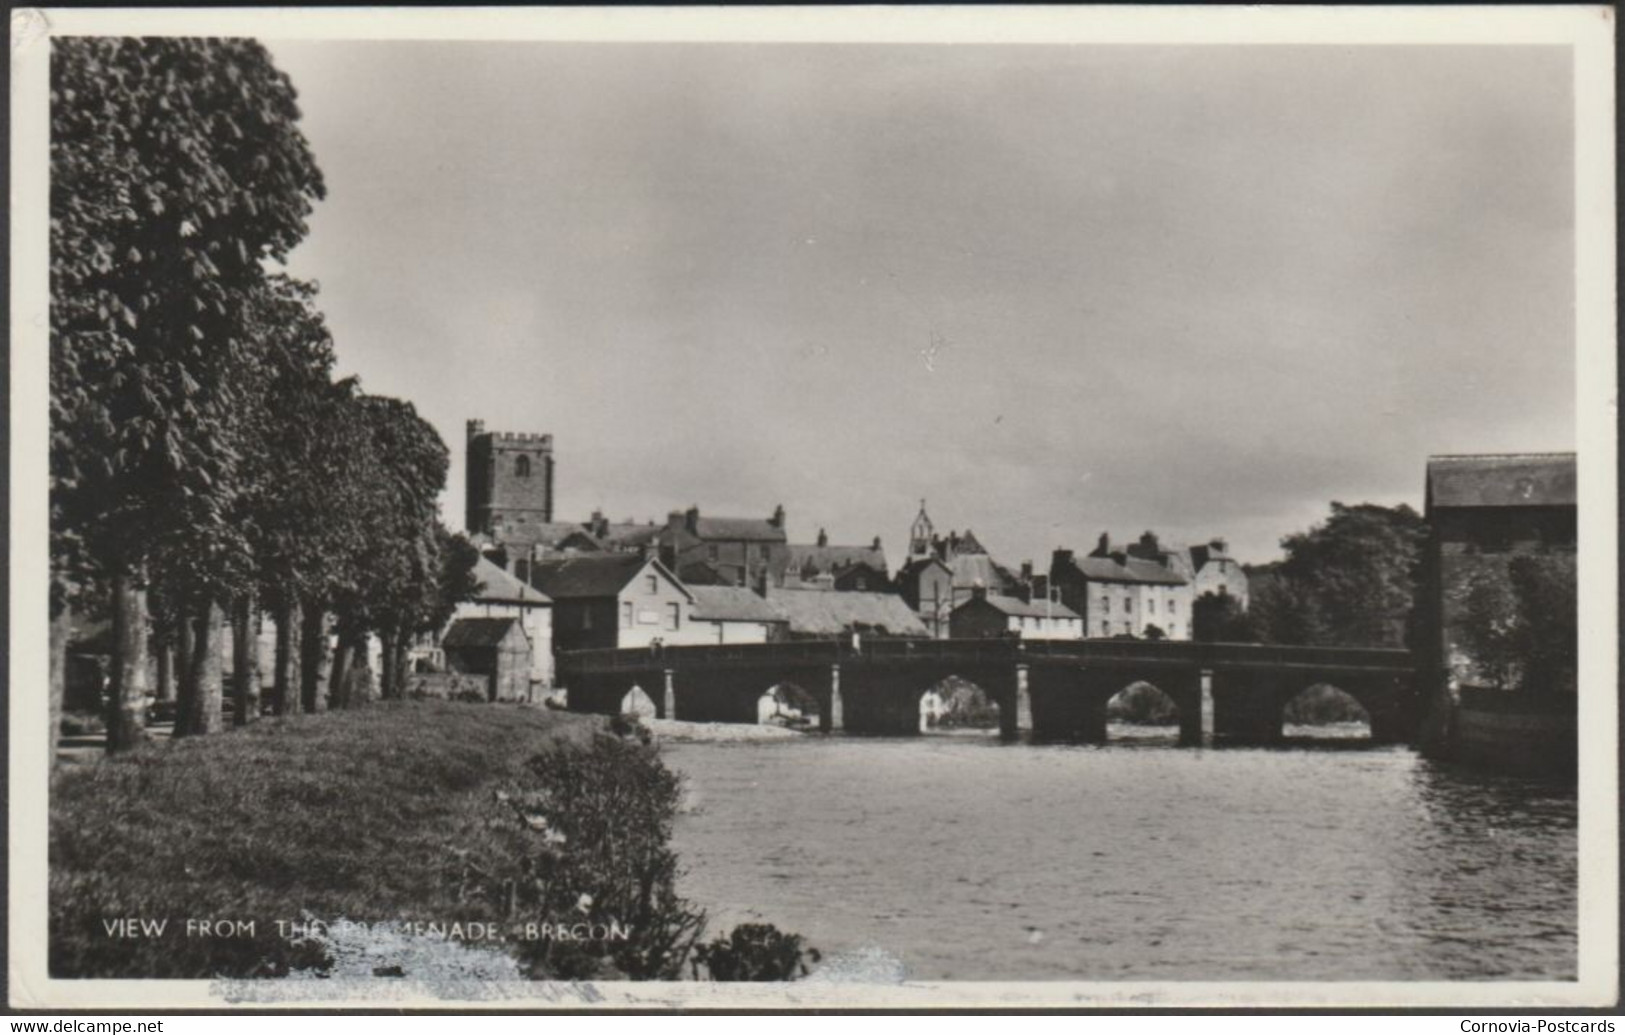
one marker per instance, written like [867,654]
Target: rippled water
[973,860]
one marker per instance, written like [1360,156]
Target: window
[1152,606]
[761,552]
[1106,604]
[521,466]
[674,617]
[1105,629]
[586,618]
[653,584]
[1173,631]
[712,552]
[1173,606]
[626,614]
[1128,603]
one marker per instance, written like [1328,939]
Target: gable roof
[816,612]
[1018,607]
[479,632]
[914,565]
[497,586]
[829,560]
[594,575]
[1502,480]
[1132,569]
[978,569]
[752,529]
[732,604]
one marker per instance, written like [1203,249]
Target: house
[616,600]
[1483,511]
[736,615]
[847,568]
[927,585]
[1118,594]
[820,614]
[743,551]
[501,595]
[989,616]
[496,648]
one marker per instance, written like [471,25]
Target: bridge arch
[957,704]
[637,701]
[1328,711]
[1142,710]
[788,704]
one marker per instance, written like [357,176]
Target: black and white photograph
[813,508]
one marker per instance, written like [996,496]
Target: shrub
[755,952]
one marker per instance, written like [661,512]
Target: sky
[1051,290]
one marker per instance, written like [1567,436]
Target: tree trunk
[166,670]
[286,680]
[313,659]
[127,711]
[245,669]
[185,684]
[61,629]
[200,710]
[386,683]
[403,645]
[347,661]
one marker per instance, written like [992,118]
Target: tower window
[521,467]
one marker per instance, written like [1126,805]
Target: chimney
[777,520]
[978,591]
[1027,571]
[1219,545]
[823,538]
[876,545]
[1148,539]
[1104,546]
[674,519]
[1060,557]
[691,520]
[600,524]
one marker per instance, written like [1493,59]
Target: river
[965,859]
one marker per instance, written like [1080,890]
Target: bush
[600,825]
[755,952]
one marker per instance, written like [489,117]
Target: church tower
[920,536]
[509,484]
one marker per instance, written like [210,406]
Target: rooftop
[732,604]
[813,612]
[590,575]
[478,632]
[1502,480]
[497,586]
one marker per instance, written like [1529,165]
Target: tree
[1521,626]
[1219,617]
[176,169]
[1348,581]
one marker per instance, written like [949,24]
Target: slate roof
[978,569]
[478,632]
[1021,608]
[828,560]
[497,586]
[732,604]
[752,529]
[1133,569]
[1502,480]
[592,575]
[817,612]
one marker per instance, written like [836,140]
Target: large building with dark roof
[1483,511]
[735,551]
[821,564]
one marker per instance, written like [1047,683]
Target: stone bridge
[1053,690]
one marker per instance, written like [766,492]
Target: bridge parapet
[982,652]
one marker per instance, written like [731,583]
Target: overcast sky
[1052,290]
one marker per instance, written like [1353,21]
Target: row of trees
[204,461]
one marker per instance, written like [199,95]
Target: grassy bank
[396,812]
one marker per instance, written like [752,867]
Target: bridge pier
[1017,721]
[1186,691]
[1066,708]
[1246,708]
[833,719]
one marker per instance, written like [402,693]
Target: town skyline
[1086,290]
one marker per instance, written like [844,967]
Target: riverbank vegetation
[427,812]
